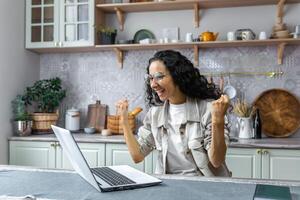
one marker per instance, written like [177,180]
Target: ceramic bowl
[89,130]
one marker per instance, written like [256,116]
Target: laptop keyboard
[112,177]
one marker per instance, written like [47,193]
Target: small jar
[73,119]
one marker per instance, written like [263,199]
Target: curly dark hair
[185,75]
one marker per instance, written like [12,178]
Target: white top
[178,161]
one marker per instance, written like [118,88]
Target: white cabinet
[93,153]
[243,162]
[264,163]
[118,154]
[38,154]
[59,23]
[50,154]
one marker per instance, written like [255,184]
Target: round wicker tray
[279,111]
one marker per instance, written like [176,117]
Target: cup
[262,35]
[297,29]
[231,36]
[166,40]
[189,37]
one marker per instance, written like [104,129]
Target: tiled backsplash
[91,76]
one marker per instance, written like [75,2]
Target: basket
[113,124]
[42,121]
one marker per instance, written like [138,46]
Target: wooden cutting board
[279,111]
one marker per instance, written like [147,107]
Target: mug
[262,35]
[189,37]
[297,29]
[231,36]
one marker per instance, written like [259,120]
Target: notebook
[274,192]
[108,178]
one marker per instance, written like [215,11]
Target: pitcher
[245,127]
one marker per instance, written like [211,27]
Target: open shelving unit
[122,8]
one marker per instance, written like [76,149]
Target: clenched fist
[220,106]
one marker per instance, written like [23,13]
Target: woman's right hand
[122,110]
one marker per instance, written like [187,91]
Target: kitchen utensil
[135,111]
[72,119]
[22,128]
[229,90]
[279,112]
[208,36]
[96,116]
[142,34]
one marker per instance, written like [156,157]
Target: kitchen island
[67,185]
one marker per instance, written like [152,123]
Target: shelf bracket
[196,55]
[120,56]
[120,16]
[196,15]
[280,50]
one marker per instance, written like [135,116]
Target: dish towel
[27,197]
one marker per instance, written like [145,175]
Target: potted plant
[106,35]
[22,121]
[47,95]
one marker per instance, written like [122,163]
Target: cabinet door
[76,23]
[37,154]
[281,164]
[93,154]
[244,163]
[118,154]
[42,18]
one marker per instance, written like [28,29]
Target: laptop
[103,179]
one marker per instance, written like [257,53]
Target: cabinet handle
[57,145]
[60,44]
[265,152]
[52,144]
[258,151]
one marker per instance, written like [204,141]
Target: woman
[184,124]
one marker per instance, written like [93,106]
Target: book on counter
[272,192]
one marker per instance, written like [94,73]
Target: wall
[18,66]
[91,76]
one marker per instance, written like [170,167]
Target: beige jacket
[197,129]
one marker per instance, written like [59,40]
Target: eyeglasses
[158,76]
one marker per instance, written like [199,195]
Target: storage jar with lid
[73,119]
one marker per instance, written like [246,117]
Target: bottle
[257,126]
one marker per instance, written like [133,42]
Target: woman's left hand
[220,106]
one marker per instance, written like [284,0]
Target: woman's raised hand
[220,106]
[122,110]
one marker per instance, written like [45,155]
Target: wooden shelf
[119,48]
[184,5]
[182,45]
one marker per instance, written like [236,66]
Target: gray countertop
[276,143]
[43,183]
